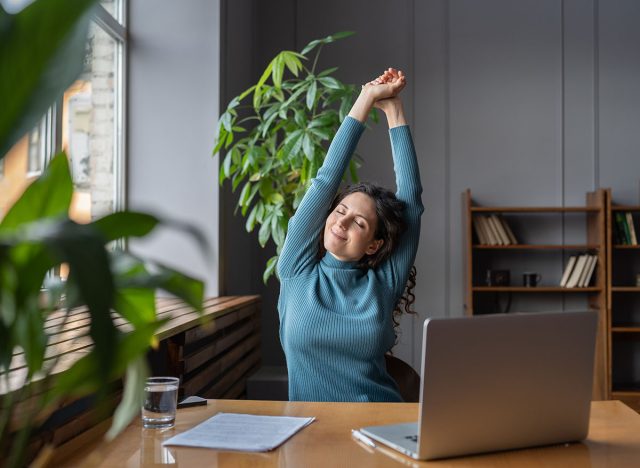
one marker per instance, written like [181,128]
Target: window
[88,123]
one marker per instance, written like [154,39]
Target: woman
[336,303]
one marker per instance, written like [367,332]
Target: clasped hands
[385,87]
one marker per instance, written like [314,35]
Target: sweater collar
[330,261]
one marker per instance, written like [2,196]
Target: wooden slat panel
[198,333]
[234,374]
[16,378]
[176,326]
[239,389]
[217,346]
[85,421]
[218,366]
[68,349]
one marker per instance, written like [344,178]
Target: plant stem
[315,60]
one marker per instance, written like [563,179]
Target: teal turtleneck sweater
[336,319]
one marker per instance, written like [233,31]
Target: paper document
[243,432]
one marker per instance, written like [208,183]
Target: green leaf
[42,52]
[330,82]
[49,196]
[137,305]
[134,274]
[251,220]
[228,140]
[308,146]
[28,329]
[257,93]
[328,71]
[82,247]
[310,46]
[265,231]
[311,94]
[87,376]
[125,224]
[270,269]
[219,142]
[324,120]
[313,44]
[187,288]
[341,35]
[293,141]
[277,70]
[244,94]
[226,121]
[322,133]
[244,195]
[129,407]
[276,198]
[292,61]
[226,166]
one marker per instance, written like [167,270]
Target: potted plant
[275,135]
[41,53]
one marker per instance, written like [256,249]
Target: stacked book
[624,233]
[579,271]
[493,230]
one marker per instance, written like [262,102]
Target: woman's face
[350,228]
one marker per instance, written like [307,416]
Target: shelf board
[626,329]
[538,289]
[628,392]
[535,209]
[625,208]
[626,247]
[538,247]
[625,289]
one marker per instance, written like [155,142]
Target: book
[507,228]
[504,238]
[632,230]
[623,229]
[585,271]
[573,280]
[497,240]
[479,230]
[592,268]
[567,270]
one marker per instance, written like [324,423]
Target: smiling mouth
[338,236]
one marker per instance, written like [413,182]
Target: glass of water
[160,401]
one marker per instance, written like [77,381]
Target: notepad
[241,432]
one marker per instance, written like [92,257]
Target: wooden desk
[614,441]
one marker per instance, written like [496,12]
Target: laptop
[499,382]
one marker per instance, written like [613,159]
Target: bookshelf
[547,237]
[623,308]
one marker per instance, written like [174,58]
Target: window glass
[88,129]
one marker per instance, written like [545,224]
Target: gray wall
[526,102]
[173,109]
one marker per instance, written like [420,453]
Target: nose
[341,223]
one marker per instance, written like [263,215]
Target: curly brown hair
[390,227]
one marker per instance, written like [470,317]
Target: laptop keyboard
[412,438]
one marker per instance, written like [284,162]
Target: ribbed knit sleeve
[300,246]
[409,190]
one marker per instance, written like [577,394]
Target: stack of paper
[243,432]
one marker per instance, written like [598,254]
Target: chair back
[406,378]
